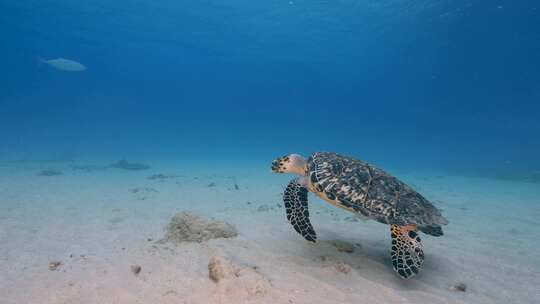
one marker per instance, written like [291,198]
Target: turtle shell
[365,189]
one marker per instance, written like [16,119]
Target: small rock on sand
[54,265]
[188,227]
[136,269]
[462,287]
[343,246]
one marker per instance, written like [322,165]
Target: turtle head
[292,163]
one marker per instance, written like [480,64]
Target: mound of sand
[188,227]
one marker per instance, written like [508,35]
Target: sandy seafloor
[98,228]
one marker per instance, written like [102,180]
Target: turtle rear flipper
[407,254]
[295,198]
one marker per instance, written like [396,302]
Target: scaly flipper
[407,254]
[295,198]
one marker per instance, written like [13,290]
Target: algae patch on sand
[125,165]
[50,172]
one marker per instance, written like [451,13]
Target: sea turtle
[365,190]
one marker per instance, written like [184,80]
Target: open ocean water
[443,94]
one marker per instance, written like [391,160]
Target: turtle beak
[275,166]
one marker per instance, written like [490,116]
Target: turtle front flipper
[295,198]
[407,254]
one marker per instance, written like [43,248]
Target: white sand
[97,228]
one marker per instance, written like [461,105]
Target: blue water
[450,86]
[444,94]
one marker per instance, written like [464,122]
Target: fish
[63,64]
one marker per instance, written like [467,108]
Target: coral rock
[219,269]
[342,267]
[188,227]
[236,283]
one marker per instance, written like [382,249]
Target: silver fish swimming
[63,64]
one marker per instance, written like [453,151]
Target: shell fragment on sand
[460,287]
[63,64]
[54,265]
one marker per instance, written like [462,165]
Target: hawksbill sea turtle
[366,190]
